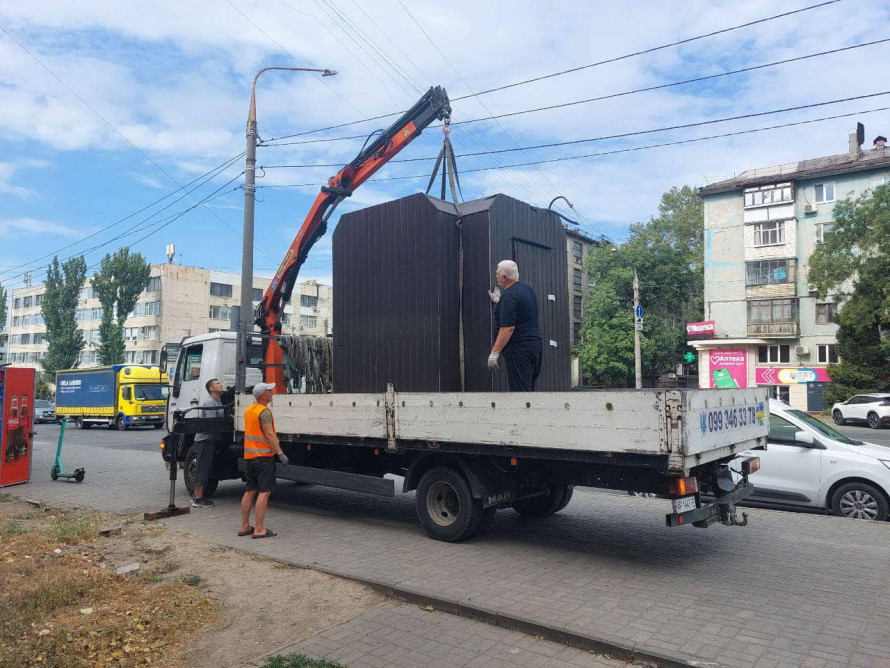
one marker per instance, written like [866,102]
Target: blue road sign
[639,311]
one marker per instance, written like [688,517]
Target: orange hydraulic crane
[434,105]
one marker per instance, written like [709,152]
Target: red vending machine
[16,406]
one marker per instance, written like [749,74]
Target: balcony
[773,330]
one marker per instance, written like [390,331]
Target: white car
[873,409]
[811,464]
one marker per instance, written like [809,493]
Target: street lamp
[245,319]
[638,365]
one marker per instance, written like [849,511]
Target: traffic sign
[639,312]
[638,325]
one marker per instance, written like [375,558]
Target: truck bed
[681,429]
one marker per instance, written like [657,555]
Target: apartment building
[579,246]
[178,301]
[765,325]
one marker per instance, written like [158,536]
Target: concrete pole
[245,324]
[638,362]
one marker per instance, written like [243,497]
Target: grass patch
[43,592]
[12,529]
[300,661]
[167,567]
[74,530]
[193,580]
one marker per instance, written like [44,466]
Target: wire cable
[575,69]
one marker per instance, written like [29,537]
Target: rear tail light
[751,465]
[683,486]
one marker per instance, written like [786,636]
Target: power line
[652,49]
[613,152]
[635,133]
[205,177]
[575,69]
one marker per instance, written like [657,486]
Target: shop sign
[729,368]
[699,330]
[790,376]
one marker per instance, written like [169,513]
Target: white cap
[260,388]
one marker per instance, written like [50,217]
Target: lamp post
[638,364]
[245,310]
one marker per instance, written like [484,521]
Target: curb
[494,617]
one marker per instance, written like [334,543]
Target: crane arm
[434,105]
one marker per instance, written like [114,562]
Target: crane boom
[434,105]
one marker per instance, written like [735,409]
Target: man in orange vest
[260,447]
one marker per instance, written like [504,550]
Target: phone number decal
[725,419]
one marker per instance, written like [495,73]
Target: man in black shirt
[516,327]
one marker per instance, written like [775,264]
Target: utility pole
[638,363]
[245,311]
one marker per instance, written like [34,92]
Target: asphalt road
[141,438]
[862,433]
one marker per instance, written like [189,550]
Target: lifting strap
[448,163]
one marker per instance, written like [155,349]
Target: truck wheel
[547,504]
[83,424]
[190,469]
[120,424]
[446,506]
[860,501]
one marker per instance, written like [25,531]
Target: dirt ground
[233,607]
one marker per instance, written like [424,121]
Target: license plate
[684,504]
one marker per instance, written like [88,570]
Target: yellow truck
[119,396]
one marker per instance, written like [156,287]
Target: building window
[153,308]
[780,392]
[39,339]
[773,354]
[766,195]
[150,333]
[308,321]
[16,321]
[38,299]
[130,333]
[27,301]
[576,335]
[86,293]
[827,353]
[765,311]
[824,192]
[220,290]
[821,230]
[154,284]
[257,294]
[769,234]
[94,336]
[577,251]
[767,272]
[82,314]
[27,320]
[576,279]
[220,313]
[826,314]
[576,307]
[308,300]
[285,318]
[17,302]
[96,314]
[38,319]
[150,357]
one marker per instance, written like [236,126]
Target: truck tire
[446,507]
[120,424]
[83,424]
[190,465]
[557,498]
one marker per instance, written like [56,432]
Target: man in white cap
[260,447]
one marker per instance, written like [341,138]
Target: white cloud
[13,227]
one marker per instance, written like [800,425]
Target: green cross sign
[689,357]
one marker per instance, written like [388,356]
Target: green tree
[3,297]
[120,280]
[43,390]
[668,254]
[853,263]
[63,285]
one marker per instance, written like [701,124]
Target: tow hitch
[723,508]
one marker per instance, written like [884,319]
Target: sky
[109,109]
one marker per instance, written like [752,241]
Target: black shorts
[260,473]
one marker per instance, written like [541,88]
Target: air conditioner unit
[809,208]
[802,351]
[811,287]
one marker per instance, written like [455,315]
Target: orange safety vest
[255,443]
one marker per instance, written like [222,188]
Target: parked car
[873,409]
[810,464]
[44,411]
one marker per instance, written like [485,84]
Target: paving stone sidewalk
[405,636]
[788,590]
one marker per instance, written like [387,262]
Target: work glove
[495,295]
[283,459]
[493,360]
